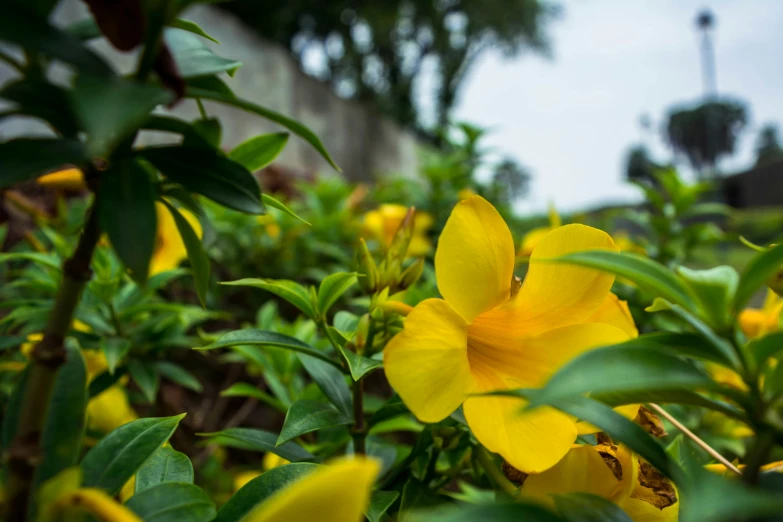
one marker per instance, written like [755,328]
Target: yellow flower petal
[555,294]
[531,441]
[615,311]
[641,511]
[109,409]
[474,261]
[170,250]
[98,503]
[242,478]
[67,179]
[629,411]
[336,493]
[582,470]
[273,460]
[531,239]
[427,363]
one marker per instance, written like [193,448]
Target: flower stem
[359,431]
[24,453]
[494,474]
[757,456]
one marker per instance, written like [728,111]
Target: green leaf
[251,336]
[209,131]
[165,465]
[765,347]
[720,345]
[244,389]
[63,430]
[380,502]
[185,199]
[307,416]
[274,203]
[394,407]
[193,57]
[199,261]
[643,271]
[111,109]
[261,488]
[114,460]
[292,125]
[332,288]
[191,27]
[618,369]
[500,512]
[191,135]
[584,507]
[47,260]
[179,375]
[210,83]
[415,494]
[714,289]
[209,173]
[146,379]
[114,349]
[258,440]
[719,499]
[259,151]
[623,430]
[360,365]
[24,27]
[26,158]
[104,381]
[290,291]
[760,269]
[684,397]
[84,29]
[172,502]
[41,99]
[330,380]
[126,208]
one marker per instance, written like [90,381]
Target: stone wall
[362,142]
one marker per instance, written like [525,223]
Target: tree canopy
[377,51]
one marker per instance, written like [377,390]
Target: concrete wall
[362,143]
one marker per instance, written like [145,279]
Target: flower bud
[412,274]
[367,268]
[398,248]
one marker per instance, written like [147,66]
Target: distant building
[758,187]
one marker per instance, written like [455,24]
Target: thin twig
[688,433]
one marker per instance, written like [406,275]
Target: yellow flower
[169,247]
[381,224]
[533,237]
[109,410]
[465,194]
[777,467]
[481,338]
[272,460]
[243,477]
[67,179]
[611,472]
[757,322]
[271,227]
[338,492]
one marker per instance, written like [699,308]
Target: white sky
[570,120]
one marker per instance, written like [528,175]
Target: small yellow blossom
[338,492]
[465,194]
[243,477]
[485,335]
[67,179]
[533,237]
[271,227]
[169,249]
[757,322]
[611,472]
[381,224]
[273,460]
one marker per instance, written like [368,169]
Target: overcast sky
[571,119]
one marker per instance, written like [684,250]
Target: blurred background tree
[639,166]
[768,148]
[706,132]
[375,51]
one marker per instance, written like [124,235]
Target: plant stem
[493,472]
[24,453]
[757,456]
[359,431]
